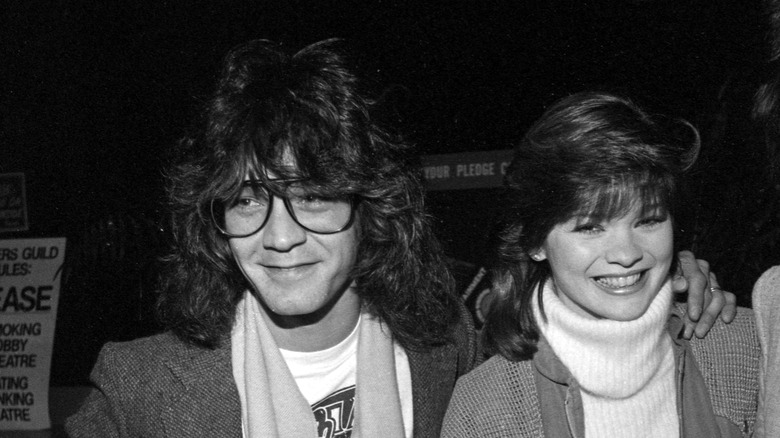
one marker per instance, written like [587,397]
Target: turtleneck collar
[613,359]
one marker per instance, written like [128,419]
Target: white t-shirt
[326,379]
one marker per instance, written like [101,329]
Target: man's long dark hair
[269,109]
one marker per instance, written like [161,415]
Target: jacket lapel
[433,378]
[206,402]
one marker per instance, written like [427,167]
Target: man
[306,294]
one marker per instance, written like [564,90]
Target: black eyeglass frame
[286,201]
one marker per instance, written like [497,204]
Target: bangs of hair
[283,147]
[617,197]
[301,144]
[272,164]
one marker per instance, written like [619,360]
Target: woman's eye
[588,228]
[652,221]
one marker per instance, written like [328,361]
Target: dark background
[95,93]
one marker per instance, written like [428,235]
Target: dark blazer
[162,387]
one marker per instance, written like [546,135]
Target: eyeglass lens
[249,211]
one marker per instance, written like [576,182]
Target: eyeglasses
[248,212]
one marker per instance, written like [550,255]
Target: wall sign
[13,203]
[466,170]
[30,271]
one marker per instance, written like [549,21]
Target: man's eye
[310,200]
[252,201]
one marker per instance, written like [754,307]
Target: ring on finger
[714,289]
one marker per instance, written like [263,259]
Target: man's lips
[287,269]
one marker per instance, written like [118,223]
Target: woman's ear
[538,255]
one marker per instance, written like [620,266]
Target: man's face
[296,272]
[612,269]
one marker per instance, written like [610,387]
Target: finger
[711,286]
[679,284]
[713,279]
[706,285]
[697,283]
[729,311]
[690,326]
[711,313]
[704,267]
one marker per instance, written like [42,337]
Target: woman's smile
[613,268]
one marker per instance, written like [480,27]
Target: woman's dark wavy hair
[270,107]
[594,154]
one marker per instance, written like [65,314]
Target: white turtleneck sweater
[625,368]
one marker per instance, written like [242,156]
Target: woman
[588,341]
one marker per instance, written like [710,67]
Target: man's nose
[281,232]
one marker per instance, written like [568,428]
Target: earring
[536,257]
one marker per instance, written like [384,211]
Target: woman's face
[611,269]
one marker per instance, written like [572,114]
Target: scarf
[273,406]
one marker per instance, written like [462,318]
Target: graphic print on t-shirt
[335,414]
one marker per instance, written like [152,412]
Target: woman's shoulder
[497,399]
[737,334]
[738,338]
[498,365]
[498,379]
[728,359]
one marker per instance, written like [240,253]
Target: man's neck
[316,332]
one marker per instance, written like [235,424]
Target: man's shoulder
[461,347]
[159,345]
[149,354]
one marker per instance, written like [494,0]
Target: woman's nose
[624,249]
